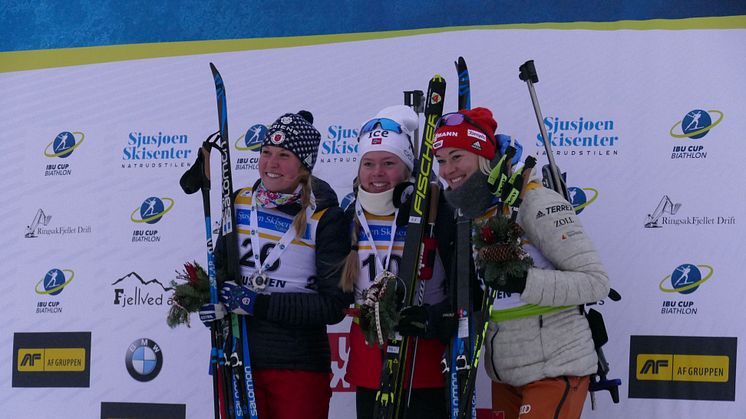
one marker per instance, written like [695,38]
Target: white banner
[647,124]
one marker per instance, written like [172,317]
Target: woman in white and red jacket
[539,350]
[386,161]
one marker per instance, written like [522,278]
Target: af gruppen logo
[64,144]
[696,124]
[54,281]
[152,210]
[253,138]
[686,278]
[581,198]
[144,359]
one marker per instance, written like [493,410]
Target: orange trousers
[558,398]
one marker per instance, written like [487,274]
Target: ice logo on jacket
[580,199]
[63,145]
[54,281]
[686,278]
[695,124]
[253,138]
[151,210]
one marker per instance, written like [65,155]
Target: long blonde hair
[299,221]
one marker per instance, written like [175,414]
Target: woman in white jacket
[539,349]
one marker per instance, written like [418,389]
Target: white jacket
[528,349]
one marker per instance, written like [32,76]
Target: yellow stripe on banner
[380,247]
[64,57]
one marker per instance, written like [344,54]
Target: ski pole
[528,74]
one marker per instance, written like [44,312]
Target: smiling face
[280,169]
[456,165]
[381,171]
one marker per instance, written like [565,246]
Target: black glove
[428,322]
[414,321]
[512,283]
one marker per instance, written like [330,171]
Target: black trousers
[426,403]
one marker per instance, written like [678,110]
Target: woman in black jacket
[292,241]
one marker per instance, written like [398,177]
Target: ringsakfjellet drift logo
[153,151]
[695,124]
[581,137]
[684,280]
[151,211]
[339,146]
[62,147]
[251,141]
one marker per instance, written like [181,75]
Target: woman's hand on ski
[209,313]
[237,298]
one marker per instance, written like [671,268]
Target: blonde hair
[299,221]
[484,165]
[352,261]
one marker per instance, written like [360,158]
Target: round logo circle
[152,210]
[253,138]
[696,124]
[54,281]
[686,278]
[579,199]
[144,359]
[277,137]
[63,144]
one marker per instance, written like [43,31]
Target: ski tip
[438,77]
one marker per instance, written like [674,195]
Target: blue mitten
[209,313]
[237,298]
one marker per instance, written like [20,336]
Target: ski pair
[230,366]
[390,393]
[460,349]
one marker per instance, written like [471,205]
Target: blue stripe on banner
[383,233]
[268,222]
[49,24]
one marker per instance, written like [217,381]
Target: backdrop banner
[648,124]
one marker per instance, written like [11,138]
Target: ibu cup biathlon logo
[62,147]
[64,144]
[694,125]
[686,278]
[253,138]
[581,198]
[54,281]
[251,141]
[151,210]
[144,359]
